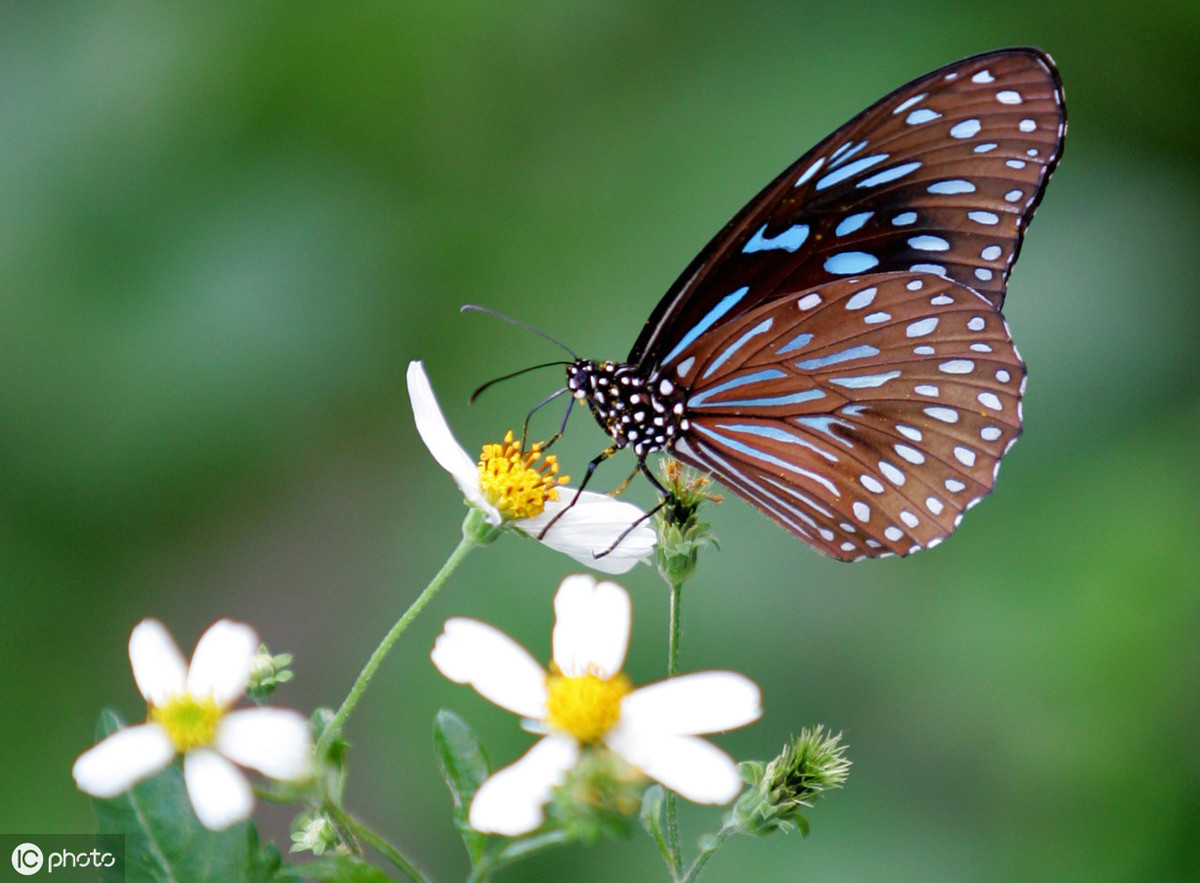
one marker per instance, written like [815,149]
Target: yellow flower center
[514,482]
[586,707]
[189,722]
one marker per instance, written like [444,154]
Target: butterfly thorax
[647,414]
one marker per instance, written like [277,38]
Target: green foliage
[464,765]
[334,869]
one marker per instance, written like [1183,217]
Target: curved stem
[376,841]
[364,678]
[707,853]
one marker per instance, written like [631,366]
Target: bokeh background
[225,229]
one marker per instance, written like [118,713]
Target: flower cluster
[189,715]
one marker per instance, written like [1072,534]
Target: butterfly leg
[547,400]
[591,468]
[627,531]
[667,498]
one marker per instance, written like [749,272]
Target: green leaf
[165,841]
[464,764]
[654,802]
[335,869]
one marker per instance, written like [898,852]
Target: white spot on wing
[964,455]
[946,415]
[965,129]
[810,171]
[853,223]
[891,473]
[929,243]
[871,483]
[847,262]
[890,174]
[809,301]
[951,186]
[861,299]
[921,327]
[850,170]
[905,105]
[989,400]
[984,76]
[921,115]
[1008,96]
[957,366]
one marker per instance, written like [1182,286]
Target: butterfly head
[645,414]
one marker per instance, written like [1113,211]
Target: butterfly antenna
[478,309]
[496,380]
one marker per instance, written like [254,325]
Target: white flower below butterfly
[585,700]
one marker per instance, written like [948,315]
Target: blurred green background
[225,229]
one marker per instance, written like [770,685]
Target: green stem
[707,853]
[673,640]
[376,841]
[514,850]
[467,543]
[672,670]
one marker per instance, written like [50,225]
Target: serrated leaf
[464,765]
[654,801]
[335,869]
[165,841]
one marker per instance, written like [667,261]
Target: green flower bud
[812,763]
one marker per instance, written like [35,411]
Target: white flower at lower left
[189,714]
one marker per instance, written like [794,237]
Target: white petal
[591,626]
[511,801]
[221,661]
[274,741]
[158,666]
[472,652]
[591,527]
[703,702]
[123,759]
[690,767]
[220,794]
[440,440]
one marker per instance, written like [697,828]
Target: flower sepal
[600,798]
[477,527]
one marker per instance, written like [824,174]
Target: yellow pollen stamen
[189,722]
[514,482]
[586,707]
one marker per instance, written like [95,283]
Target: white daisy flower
[508,487]
[584,699]
[189,715]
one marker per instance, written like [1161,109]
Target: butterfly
[836,355]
